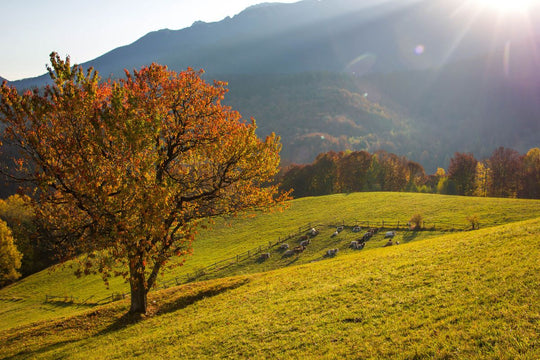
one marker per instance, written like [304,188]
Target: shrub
[473,220]
[416,221]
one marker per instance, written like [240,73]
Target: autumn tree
[298,178]
[125,170]
[505,170]
[531,175]
[10,257]
[17,213]
[351,171]
[393,171]
[416,175]
[482,179]
[324,174]
[462,171]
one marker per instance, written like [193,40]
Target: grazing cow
[389,243]
[299,249]
[313,232]
[283,246]
[356,228]
[357,245]
[303,237]
[335,233]
[367,236]
[389,234]
[288,253]
[331,252]
[339,229]
[264,256]
[305,243]
[373,231]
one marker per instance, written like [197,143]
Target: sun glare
[507,5]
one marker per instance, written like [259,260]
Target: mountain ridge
[415,61]
[310,35]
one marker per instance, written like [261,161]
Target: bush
[473,220]
[416,221]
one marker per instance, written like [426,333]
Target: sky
[31,29]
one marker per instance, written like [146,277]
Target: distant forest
[506,173]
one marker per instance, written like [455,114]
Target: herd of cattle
[305,240]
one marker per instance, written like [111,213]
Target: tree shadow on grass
[409,236]
[65,304]
[26,353]
[183,300]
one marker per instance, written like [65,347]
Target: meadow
[454,294]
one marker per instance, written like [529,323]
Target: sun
[507,5]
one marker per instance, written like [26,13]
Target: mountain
[421,78]
[472,105]
[327,35]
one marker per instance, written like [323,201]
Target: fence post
[382,224]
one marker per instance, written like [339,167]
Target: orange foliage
[125,170]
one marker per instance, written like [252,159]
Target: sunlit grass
[23,302]
[464,295]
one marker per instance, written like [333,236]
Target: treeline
[506,173]
[23,249]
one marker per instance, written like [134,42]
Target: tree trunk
[138,288]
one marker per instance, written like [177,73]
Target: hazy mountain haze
[422,78]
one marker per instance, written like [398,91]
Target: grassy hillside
[23,302]
[462,295]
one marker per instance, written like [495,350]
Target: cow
[288,253]
[331,252]
[389,243]
[305,243]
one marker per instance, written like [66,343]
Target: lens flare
[508,5]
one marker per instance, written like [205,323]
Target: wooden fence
[216,266]
[233,260]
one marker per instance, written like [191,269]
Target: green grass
[23,302]
[472,295]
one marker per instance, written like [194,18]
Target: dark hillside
[426,115]
[315,112]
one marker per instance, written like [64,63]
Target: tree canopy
[125,170]
[10,257]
